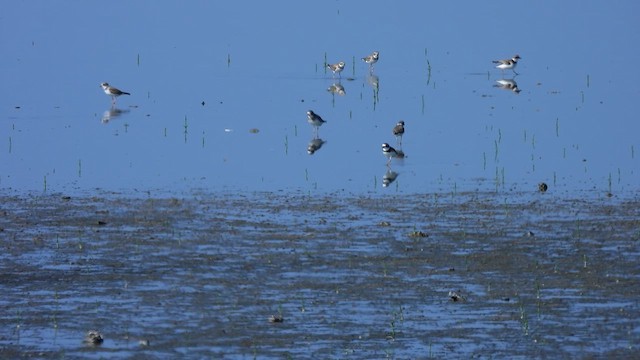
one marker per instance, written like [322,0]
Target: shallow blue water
[202,76]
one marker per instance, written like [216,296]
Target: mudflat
[277,275]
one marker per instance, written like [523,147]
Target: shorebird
[315,120]
[398,130]
[371,59]
[113,92]
[336,68]
[389,152]
[508,64]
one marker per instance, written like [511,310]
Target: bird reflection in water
[374,82]
[507,84]
[337,88]
[314,145]
[389,177]
[112,113]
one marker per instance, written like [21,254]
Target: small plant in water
[524,321]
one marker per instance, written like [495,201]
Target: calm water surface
[219,96]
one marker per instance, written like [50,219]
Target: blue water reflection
[219,96]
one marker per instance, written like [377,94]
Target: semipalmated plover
[314,119]
[508,64]
[371,59]
[398,130]
[388,151]
[336,68]
[113,92]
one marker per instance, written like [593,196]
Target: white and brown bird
[371,59]
[336,68]
[113,92]
[507,64]
[398,130]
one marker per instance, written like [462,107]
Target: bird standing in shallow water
[389,152]
[113,92]
[371,59]
[398,131]
[508,64]
[315,120]
[336,68]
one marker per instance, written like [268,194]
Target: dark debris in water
[455,296]
[543,187]
[418,234]
[93,337]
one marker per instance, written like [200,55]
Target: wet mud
[276,276]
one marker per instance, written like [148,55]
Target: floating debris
[542,187]
[384,223]
[530,234]
[144,342]
[254,131]
[276,318]
[93,337]
[418,234]
[456,296]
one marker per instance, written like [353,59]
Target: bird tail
[125,93]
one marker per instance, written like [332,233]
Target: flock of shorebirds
[398,130]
